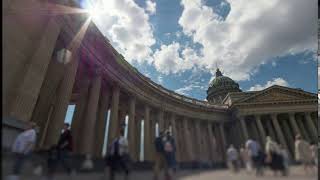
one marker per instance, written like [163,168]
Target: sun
[94,12]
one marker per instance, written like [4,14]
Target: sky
[180,43]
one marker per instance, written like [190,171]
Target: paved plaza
[296,173]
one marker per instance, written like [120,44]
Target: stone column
[198,141]
[101,122]
[114,124]
[161,120]
[302,128]
[27,94]
[147,135]
[272,134]
[278,130]
[44,106]
[62,102]
[89,123]
[132,129]
[223,139]
[261,129]
[175,136]
[138,138]
[205,142]
[211,143]
[244,127]
[181,140]
[187,139]
[290,138]
[152,137]
[294,124]
[311,126]
[78,115]
[219,144]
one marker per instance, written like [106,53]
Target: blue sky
[179,44]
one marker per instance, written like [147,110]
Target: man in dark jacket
[65,147]
[160,161]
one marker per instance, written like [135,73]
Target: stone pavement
[296,173]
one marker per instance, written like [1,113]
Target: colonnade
[281,127]
[94,95]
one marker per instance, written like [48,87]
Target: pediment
[278,94]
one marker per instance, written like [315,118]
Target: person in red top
[65,147]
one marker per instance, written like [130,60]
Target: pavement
[296,173]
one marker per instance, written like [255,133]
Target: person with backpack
[160,161]
[118,157]
[169,153]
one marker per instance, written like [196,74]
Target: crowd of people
[250,156]
[275,156]
[117,158]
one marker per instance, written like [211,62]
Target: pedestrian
[169,151]
[118,157]
[160,161]
[232,156]
[314,151]
[286,160]
[245,159]
[253,149]
[65,147]
[23,146]
[274,158]
[303,153]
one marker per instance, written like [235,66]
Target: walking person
[65,147]
[169,151]
[253,149]
[232,156]
[245,159]
[286,161]
[314,153]
[274,158]
[160,161]
[118,157]
[303,153]
[23,146]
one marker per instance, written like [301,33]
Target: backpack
[168,146]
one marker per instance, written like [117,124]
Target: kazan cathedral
[63,60]
[277,111]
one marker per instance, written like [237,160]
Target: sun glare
[95,12]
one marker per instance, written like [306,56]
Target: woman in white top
[303,153]
[23,146]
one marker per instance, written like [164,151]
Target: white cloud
[151,7]
[168,60]
[185,90]
[160,79]
[127,27]
[275,81]
[252,33]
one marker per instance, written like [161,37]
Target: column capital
[257,116]
[274,115]
[291,114]
[307,113]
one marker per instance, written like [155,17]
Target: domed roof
[220,86]
[222,81]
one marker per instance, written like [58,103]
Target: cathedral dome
[220,86]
